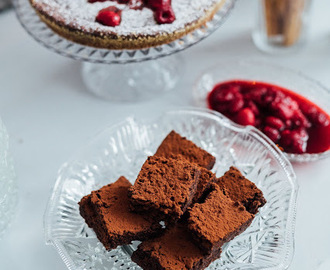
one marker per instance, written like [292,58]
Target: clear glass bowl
[8,185]
[259,71]
[121,150]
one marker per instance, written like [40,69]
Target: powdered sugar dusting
[80,15]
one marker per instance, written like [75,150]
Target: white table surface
[49,115]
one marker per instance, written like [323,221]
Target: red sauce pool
[290,120]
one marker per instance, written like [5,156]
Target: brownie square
[174,144]
[217,220]
[174,250]
[242,190]
[164,188]
[107,212]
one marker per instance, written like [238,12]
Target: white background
[50,115]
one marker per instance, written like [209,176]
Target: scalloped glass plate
[258,71]
[44,35]
[121,150]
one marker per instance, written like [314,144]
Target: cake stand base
[132,82]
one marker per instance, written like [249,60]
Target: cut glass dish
[263,72]
[121,150]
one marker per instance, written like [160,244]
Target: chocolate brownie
[217,220]
[174,144]
[164,188]
[240,189]
[106,211]
[172,251]
[204,182]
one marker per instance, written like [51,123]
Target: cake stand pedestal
[132,81]
[136,78]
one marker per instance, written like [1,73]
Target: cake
[164,188]
[217,220]
[106,211]
[135,25]
[242,190]
[175,144]
[174,250]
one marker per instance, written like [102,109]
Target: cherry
[284,108]
[250,104]
[299,120]
[294,141]
[228,99]
[164,15]
[110,16]
[315,116]
[236,104]
[272,133]
[225,94]
[274,122]
[158,4]
[269,97]
[163,12]
[274,95]
[256,94]
[245,117]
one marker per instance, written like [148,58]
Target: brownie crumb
[107,212]
[217,220]
[164,188]
[175,144]
[174,250]
[240,189]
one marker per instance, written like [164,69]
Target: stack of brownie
[175,187]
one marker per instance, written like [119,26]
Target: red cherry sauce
[292,121]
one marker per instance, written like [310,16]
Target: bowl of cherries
[287,106]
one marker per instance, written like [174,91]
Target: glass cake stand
[129,82]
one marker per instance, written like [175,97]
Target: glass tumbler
[281,25]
